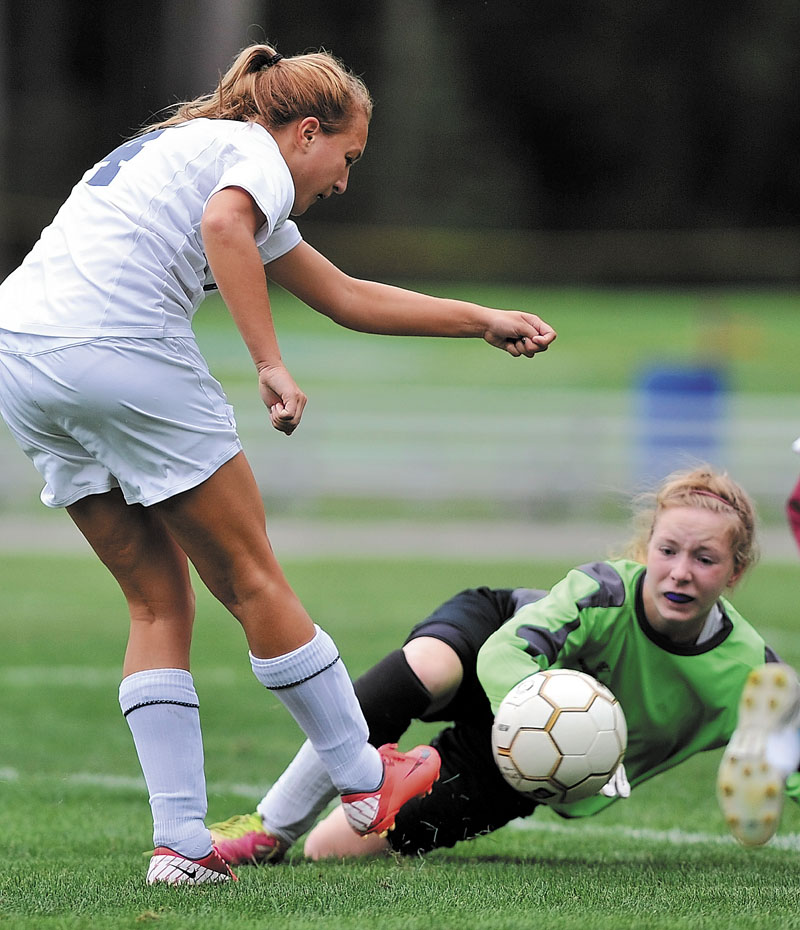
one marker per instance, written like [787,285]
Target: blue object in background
[680,418]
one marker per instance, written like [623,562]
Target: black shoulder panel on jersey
[611,592]
[522,596]
[770,655]
[547,643]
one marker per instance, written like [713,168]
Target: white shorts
[143,415]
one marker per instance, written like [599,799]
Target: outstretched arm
[372,307]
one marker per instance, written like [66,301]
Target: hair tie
[716,497]
[272,61]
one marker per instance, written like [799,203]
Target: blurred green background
[436,431]
[454,427]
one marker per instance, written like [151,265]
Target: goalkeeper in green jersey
[654,627]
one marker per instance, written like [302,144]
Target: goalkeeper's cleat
[171,868]
[763,751]
[406,775]
[242,840]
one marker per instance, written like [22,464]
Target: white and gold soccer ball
[559,736]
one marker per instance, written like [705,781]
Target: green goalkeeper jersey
[678,699]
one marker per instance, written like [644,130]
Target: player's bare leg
[333,838]
[153,573]
[222,527]
[157,694]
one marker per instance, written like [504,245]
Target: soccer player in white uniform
[102,385]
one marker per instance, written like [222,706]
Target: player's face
[689,565]
[322,162]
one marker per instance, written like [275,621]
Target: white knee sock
[313,684]
[293,804]
[161,708]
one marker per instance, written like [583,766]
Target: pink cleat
[406,775]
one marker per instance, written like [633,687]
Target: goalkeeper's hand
[617,786]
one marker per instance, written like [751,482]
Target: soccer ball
[559,735]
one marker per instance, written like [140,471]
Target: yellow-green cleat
[243,840]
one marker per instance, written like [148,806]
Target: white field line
[673,837]
[130,783]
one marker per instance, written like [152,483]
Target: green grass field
[73,810]
[75,820]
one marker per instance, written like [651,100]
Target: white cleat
[171,868]
[763,751]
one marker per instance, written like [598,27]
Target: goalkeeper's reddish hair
[708,489]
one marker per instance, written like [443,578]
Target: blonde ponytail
[263,85]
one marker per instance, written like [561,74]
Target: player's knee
[249,590]
[161,597]
[437,665]
[177,611]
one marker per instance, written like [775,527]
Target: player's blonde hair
[263,85]
[707,489]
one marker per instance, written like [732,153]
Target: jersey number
[108,169]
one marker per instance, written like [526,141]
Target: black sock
[391,696]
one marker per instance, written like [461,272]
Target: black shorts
[471,796]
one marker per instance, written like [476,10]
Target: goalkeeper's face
[689,565]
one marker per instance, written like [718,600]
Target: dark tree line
[547,115]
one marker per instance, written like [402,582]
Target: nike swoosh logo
[418,762]
[189,873]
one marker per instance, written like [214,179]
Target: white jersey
[124,255]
